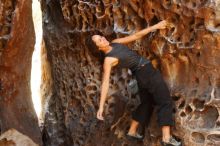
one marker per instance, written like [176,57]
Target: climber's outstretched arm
[141,33]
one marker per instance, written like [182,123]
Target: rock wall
[16,47]
[186,53]
[14,138]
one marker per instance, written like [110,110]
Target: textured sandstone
[16,47]
[6,10]
[187,54]
[14,138]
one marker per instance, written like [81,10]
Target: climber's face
[100,41]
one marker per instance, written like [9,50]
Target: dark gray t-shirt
[127,58]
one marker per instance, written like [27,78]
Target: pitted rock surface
[7,8]
[187,53]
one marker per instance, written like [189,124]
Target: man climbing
[152,88]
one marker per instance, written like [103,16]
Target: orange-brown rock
[16,47]
[186,53]
[14,138]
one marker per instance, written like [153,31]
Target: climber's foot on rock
[172,142]
[136,136]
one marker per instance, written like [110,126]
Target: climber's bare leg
[166,133]
[133,127]
[167,139]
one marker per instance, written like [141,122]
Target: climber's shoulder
[110,61]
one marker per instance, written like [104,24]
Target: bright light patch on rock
[36,59]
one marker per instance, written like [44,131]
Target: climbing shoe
[172,142]
[136,136]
